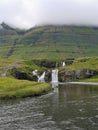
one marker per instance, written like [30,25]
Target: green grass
[13,88]
[49,42]
[4,62]
[93,79]
[84,63]
[23,65]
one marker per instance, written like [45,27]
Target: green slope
[8,39]
[51,42]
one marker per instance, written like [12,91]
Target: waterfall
[55,76]
[41,78]
[63,64]
[35,72]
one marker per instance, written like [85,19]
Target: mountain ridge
[49,42]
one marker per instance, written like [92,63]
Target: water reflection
[54,84]
[77,91]
[74,107]
[68,107]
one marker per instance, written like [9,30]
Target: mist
[30,13]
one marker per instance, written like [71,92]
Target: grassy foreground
[93,79]
[12,88]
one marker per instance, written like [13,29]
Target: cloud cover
[28,13]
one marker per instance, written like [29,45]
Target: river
[68,107]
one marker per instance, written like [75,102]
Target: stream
[68,107]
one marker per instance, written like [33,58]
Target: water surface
[68,107]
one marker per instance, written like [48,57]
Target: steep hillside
[50,42]
[8,39]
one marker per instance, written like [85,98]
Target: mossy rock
[19,74]
[45,63]
[34,78]
[48,76]
[66,75]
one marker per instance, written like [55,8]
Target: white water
[55,76]
[63,64]
[41,78]
[35,72]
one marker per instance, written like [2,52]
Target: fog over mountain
[28,13]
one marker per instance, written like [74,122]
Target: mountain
[8,38]
[5,26]
[48,42]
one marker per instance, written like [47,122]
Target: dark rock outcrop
[73,75]
[69,61]
[66,75]
[45,63]
[85,73]
[18,74]
[48,76]
[53,64]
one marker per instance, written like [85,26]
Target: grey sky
[28,13]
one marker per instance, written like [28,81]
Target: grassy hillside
[84,63]
[49,42]
[13,88]
[18,81]
[9,37]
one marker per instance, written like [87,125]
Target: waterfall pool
[68,107]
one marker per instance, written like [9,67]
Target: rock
[34,78]
[48,76]
[84,73]
[19,74]
[45,63]
[69,61]
[66,75]
[70,75]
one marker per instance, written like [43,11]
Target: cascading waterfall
[55,76]
[41,78]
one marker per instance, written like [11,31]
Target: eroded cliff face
[24,70]
[64,75]
[73,75]
[53,64]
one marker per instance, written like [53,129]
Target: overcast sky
[28,13]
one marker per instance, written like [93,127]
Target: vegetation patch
[48,42]
[12,88]
[93,79]
[84,63]
[81,69]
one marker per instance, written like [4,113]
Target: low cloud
[28,13]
